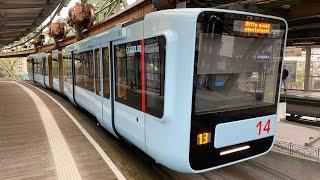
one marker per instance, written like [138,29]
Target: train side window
[55,65]
[35,64]
[90,71]
[44,66]
[46,73]
[39,66]
[106,79]
[29,67]
[84,70]
[155,54]
[37,69]
[78,70]
[67,68]
[97,70]
[127,74]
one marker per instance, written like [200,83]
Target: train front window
[237,62]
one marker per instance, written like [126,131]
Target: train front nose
[236,83]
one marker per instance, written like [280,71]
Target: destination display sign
[256,27]
[252,27]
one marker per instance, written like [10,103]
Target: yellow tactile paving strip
[65,166]
[24,148]
[92,163]
[45,145]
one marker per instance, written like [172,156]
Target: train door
[129,98]
[97,84]
[106,85]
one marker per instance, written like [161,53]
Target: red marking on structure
[143,95]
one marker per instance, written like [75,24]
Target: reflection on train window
[106,83]
[35,60]
[155,54]
[97,70]
[84,69]
[29,67]
[234,72]
[37,66]
[55,67]
[128,74]
[46,69]
[67,68]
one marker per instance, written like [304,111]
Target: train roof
[196,11]
[119,31]
[114,33]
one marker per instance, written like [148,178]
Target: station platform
[39,141]
[43,139]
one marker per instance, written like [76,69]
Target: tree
[11,67]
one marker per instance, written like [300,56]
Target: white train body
[195,89]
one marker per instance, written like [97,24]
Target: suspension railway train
[195,89]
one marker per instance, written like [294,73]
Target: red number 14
[266,127]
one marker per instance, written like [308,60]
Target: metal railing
[297,150]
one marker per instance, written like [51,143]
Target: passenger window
[84,70]
[67,68]
[128,75]
[37,66]
[155,55]
[29,67]
[106,79]
[78,70]
[55,65]
[46,68]
[97,70]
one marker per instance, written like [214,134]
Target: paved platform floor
[39,141]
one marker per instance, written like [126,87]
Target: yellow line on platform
[102,153]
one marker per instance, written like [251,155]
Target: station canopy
[20,17]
